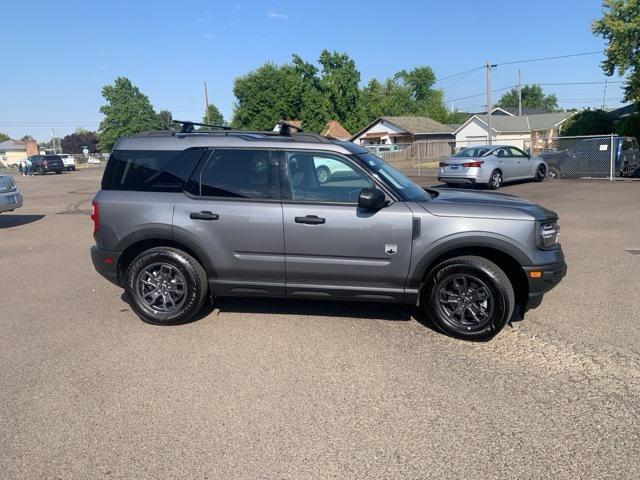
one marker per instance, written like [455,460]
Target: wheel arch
[137,242]
[507,256]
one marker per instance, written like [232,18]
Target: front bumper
[543,278]
[106,264]
[5,198]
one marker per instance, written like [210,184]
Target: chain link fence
[584,157]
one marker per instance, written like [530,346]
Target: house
[335,130]
[513,111]
[526,131]
[12,151]
[402,131]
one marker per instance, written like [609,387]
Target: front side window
[501,153]
[515,152]
[324,178]
[236,174]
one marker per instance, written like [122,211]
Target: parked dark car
[42,164]
[591,157]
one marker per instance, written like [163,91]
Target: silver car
[491,165]
[10,196]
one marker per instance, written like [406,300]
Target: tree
[589,122]
[263,97]
[214,117]
[339,85]
[629,127]
[620,27]
[532,97]
[75,142]
[313,107]
[166,119]
[127,112]
[27,137]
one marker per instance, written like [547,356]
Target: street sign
[85,150]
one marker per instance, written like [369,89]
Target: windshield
[473,152]
[409,190]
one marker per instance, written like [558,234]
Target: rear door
[232,209]
[333,248]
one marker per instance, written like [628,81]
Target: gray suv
[187,216]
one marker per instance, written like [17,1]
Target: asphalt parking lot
[283,389]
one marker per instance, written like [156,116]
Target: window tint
[324,178]
[52,157]
[515,152]
[501,153]
[234,173]
[150,170]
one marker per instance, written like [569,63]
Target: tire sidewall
[191,305]
[540,178]
[502,309]
[491,184]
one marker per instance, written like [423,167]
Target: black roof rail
[187,126]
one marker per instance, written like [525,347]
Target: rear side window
[236,174]
[150,170]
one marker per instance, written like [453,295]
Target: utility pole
[604,93]
[519,93]
[206,103]
[489,104]
[53,140]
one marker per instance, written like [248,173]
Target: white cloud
[209,35]
[278,16]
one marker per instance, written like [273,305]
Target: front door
[523,165]
[333,248]
[232,211]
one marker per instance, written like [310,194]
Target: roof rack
[285,128]
[187,126]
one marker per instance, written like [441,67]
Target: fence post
[612,161]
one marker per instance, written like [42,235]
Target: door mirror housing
[371,199]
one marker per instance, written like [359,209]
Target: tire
[495,180]
[554,173]
[41,172]
[541,173]
[58,172]
[185,270]
[324,174]
[491,303]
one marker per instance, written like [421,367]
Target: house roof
[335,130]
[525,123]
[418,125]
[624,111]
[12,145]
[513,111]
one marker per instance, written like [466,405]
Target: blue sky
[58,55]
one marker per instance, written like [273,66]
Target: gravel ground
[301,389]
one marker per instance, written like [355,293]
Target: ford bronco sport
[191,215]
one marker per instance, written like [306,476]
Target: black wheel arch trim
[173,236]
[450,244]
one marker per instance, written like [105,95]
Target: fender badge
[391,248]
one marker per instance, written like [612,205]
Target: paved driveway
[283,389]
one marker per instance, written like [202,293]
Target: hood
[473,204]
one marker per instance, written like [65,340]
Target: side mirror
[371,199]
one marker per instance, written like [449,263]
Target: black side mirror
[371,199]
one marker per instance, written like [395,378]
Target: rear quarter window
[150,170]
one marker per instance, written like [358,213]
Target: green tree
[165,118]
[127,112]
[532,97]
[263,97]
[629,126]
[4,137]
[27,137]
[339,85]
[589,122]
[313,107]
[214,116]
[620,27]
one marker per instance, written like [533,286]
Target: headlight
[548,234]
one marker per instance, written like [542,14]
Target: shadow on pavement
[9,220]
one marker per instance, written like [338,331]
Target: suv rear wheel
[166,286]
[468,297]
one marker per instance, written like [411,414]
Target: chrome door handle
[310,220]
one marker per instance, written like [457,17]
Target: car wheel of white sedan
[495,181]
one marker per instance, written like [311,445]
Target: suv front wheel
[468,297]
[166,286]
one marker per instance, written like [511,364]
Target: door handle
[310,220]
[204,216]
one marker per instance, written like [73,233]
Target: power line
[478,94]
[458,74]
[550,58]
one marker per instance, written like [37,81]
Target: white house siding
[380,127]
[475,133]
